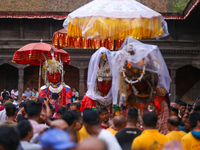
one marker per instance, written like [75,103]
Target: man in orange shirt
[150,137]
[173,126]
[191,141]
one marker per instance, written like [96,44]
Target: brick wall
[8,77]
[71,76]
[31,77]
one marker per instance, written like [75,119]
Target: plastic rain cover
[154,63]
[115,19]
[92,76]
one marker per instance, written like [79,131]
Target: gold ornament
[135,71]
[140,63]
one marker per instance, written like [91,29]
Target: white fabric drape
[92,75]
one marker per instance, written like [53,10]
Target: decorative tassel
[135,90]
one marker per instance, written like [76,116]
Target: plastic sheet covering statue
[140,77]
[99,80]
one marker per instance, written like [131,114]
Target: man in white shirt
[92,125]
[15,93]
[25,131]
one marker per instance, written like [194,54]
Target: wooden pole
[39,84]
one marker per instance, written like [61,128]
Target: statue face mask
[104,85]
[104,76]
[55,77]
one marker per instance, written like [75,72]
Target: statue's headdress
[52,66]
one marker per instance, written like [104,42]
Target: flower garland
[141,76]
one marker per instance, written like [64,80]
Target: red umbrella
[33,54]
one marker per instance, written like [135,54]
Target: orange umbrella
[61,39]
[33,54]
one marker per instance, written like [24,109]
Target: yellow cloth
[115,28]
[175,135]
[82,134]
[112,131]
[189,142]
[149,139]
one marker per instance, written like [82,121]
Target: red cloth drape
[87,103]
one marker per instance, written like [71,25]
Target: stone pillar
[173,85]
[21,28]
[20,81]
[81,81]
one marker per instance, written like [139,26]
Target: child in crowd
[104,116]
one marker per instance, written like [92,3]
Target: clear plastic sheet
[115,19]
[92,76]
[154,62]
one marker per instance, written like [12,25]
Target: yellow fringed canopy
[61,39]
[116,29]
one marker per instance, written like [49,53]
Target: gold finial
[41,40]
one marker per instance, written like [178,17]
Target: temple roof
[63,7]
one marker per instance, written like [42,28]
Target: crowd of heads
[37,122]
[65,123]
[183,112]
[62,125]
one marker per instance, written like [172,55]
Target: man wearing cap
[23,98]
[92,124]
[7,98]
[56,139]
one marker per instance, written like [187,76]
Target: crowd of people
[28,94]
[36,124]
